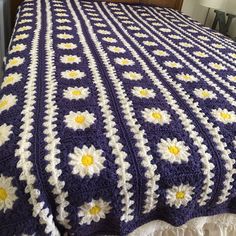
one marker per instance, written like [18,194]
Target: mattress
[113,116]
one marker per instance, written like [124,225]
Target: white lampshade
[216,4]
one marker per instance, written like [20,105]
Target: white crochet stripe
[51,135]
[24,144]
[110,126]
[204,30]
[214,131]
[206,46]
[129,115]
[187,123]
[198,72]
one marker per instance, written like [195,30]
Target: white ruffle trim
[219,225]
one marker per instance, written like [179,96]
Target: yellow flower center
[205,94]
[173,150]
[95,210]
[3,103]
[3,194]
[76,92]
[67,45]
[71,59]
[80,119]
[233,78]
[225,116]
[73,74]
[17,48]
[233,55]
[186,77]
[87,160]
[157,115]
[9,79]
[124,61]
[180,195]
[13,62]
[143,92]
[116,49]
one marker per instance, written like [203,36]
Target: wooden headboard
[175,4]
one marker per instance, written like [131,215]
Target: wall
[198,12]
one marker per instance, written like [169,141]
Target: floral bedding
[112,116]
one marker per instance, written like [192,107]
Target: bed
[117,119]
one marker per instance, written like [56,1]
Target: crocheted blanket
[114,115]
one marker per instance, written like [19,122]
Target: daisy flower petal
[173,150]
[178,196]
[79,120]
[223,115]
[94,211]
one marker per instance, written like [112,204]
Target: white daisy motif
[186,45]
[24,28]
[86,161]
[62,15]
[165,30]
[150,43]
[23,21]
[186,77]
[233,55]
[5,132]
[65,36]
[72,74]
[7,193]
[132,75]
[27,15]
[140,35]
[64,27]
[224,116]
[20,37]
[200,54]
[131,27]
[203,38]
[67,46]
[7,101]
[116,49]
[105,32]
[143,92]
[18,48]
[160,53]
[94,211]
[124,61]
[173,64]
[128,22]
[150,19]
[109,40]
[11,79]
[178,196]
[100,25]
[63,21]
[79,120]
[174,36]
[15,61]
[156,24]
[204,93]
[232,78]
[217,45]
[217,66]
[70,59]
[60,10]
[76,93]
[173,150]
[156,116]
